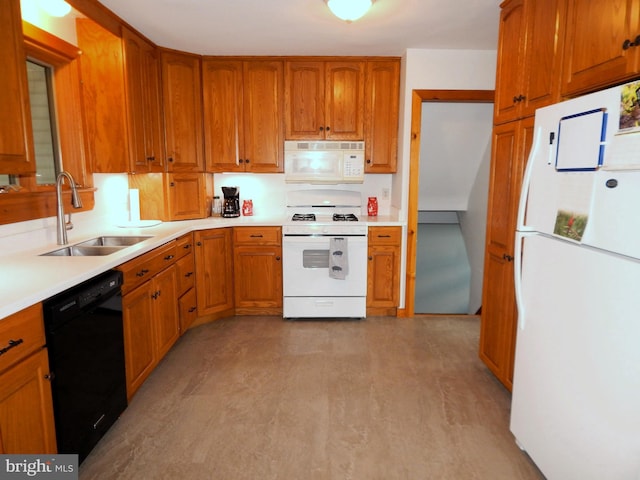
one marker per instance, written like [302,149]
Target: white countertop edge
[31,278]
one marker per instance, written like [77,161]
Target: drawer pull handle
[384,236]
[255,235]
[12,344]
[187,246]
[142,272]
[192,309]
[168,257]
[188,274]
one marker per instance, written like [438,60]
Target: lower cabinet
[257,266]
[214,271]
[26,406]
[383,271]
[150,312]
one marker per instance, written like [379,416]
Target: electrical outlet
[385,193]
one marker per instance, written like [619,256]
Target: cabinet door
[26,408]
[186,196]
[182,101]
[511,44]
[165,308]
[596,31]
[143,104]
[16,138]
[304,100]
[383,273]
[140,358]
[223,133]
[263,105]
[104,97]
[382,95]
[344,100]
[511,145]
[543,55]
[214,270]
[258,277]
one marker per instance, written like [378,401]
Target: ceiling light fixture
[349,10]
[55,8]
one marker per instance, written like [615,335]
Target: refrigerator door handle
[517,273]
[526,178]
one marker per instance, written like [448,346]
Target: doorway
[446,223]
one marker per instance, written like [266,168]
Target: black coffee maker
[231,203]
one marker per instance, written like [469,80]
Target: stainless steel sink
[82,251]
[97,247]
[113,241]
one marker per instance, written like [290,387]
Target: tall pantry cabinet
[526,79]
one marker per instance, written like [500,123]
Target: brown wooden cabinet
[142,71]
[16,138]
[104,98]
[529,52]
[182,107]
[257,266]
[26,406]
[383,270]
[243,104]
[214,271]
[382,97]
[324,100]
[510,148]
[602,44]
[173,196]
[150,312]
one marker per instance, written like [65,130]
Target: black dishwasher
[86,355]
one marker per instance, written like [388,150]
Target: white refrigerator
[576,388]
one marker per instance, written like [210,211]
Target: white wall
[453,140]
[444,70]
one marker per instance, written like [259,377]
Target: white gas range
[324,255]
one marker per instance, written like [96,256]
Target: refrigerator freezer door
[576,387]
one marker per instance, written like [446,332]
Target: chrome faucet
[62,225]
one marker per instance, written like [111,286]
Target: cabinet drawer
[188,309]
[186,267]
[184,245]
[20,335]
[257,235]
[385,235]
[146,266]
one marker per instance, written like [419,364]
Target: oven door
[305,264]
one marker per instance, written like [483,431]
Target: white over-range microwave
[323,162]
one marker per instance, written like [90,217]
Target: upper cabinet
[104,98]
[324,100]
[602,44]
[182,102]
[243,104]
[529,58]
[382,97]
[143,100]
[16,139]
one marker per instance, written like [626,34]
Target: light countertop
[30,278]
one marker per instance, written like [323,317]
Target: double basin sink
[97,247]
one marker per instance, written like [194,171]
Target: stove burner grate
[301,217]
[344,217]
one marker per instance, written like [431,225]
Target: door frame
[418,98]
